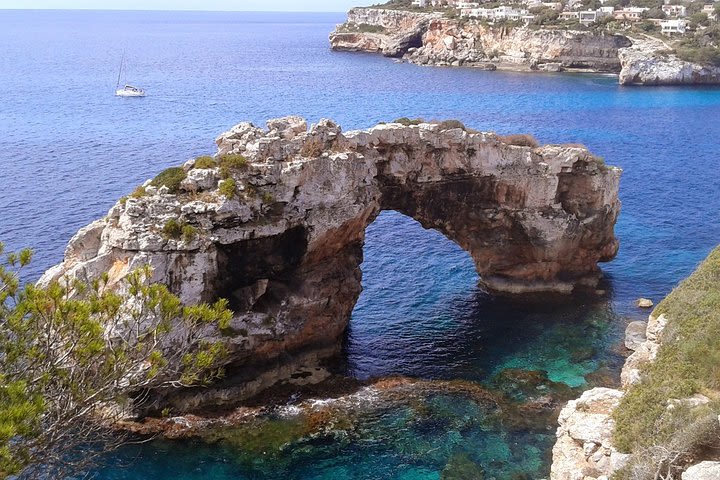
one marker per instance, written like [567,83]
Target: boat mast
[122,58]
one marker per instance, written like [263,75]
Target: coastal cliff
[663,421]
[450,42]
[275,222]
[649,62]
[432,39]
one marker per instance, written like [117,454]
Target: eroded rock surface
[433,39]
[448,42]
[702,471]
[649,62]
[286,247]
[584,448]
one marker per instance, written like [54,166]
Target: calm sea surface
[69,149]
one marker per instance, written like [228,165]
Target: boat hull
[127,93]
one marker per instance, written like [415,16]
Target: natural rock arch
[286,250]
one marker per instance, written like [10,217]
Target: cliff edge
[430,38]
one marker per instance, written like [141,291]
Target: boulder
[644,303]
[583,449]
[649,61]
[635,335]
[702,471]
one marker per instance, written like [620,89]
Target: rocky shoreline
[431,39]
[585,448]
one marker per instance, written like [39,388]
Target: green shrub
[189,233]
[206,161]
[409,121]
[521,140]
[267,197]
[688,361]
[702,55]
[228,188]
[170,178]
[451,124]
[233,161]
[139,192]
[172,229]
[368,28]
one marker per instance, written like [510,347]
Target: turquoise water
[69,149]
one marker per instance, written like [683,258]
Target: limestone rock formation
[432,39]
[278,228]
[647,62]
[449,42]
[702,471]
[391,32]
[635,335]
[643,352]
[584,447]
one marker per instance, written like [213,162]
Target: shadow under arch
[422,314]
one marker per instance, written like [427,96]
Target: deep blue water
[69,149]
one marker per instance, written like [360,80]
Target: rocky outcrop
[584,448]
[279,230]
[390,32]
[649,62]
[449,42]
[703,471]
[432,39]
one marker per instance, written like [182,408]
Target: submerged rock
[644,303]
[281,237]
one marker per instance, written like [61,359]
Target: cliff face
[647,63]
[448,42]
[286,248]
[390,32]
[431,39]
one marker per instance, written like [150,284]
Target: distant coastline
[456,36]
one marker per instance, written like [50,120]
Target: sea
[69,149]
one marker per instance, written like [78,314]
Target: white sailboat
[127,90]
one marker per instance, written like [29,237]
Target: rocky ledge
[584,449]
[432,39]
[276,221]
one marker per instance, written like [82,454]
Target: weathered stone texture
[286,250]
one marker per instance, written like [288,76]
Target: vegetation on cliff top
[688,362]
[170,178]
